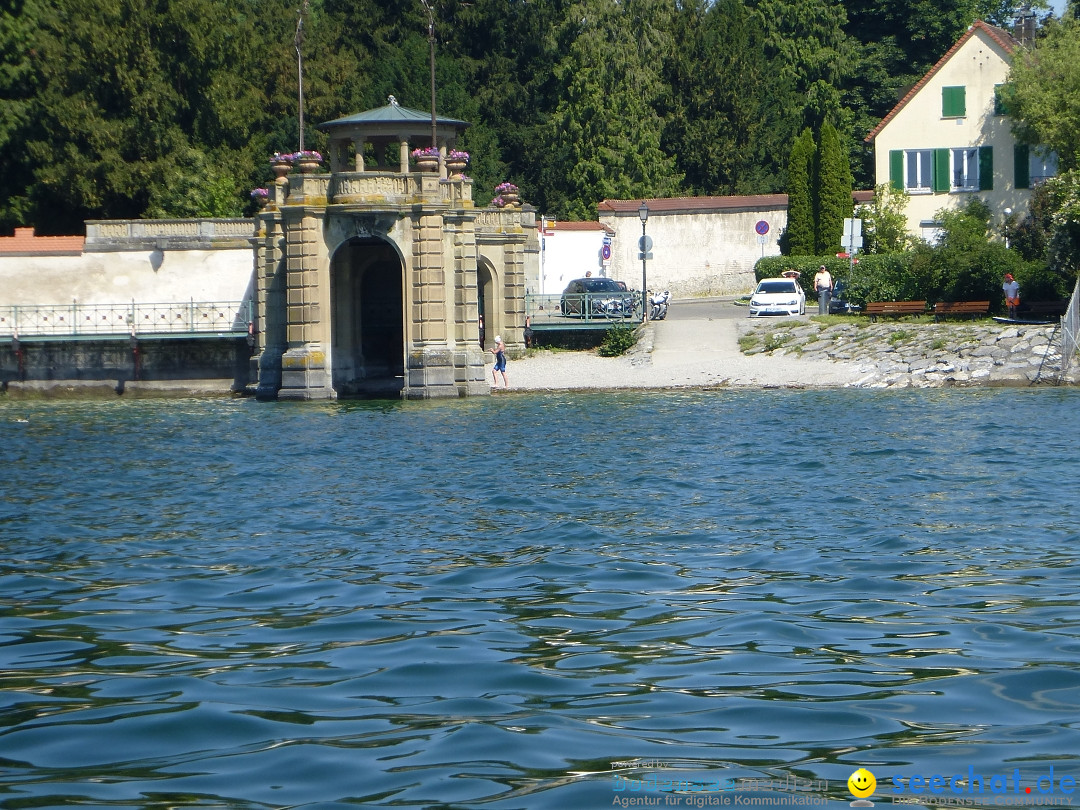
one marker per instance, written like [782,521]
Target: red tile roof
[1002,37]
[669,205]
[681,205]
[25,243]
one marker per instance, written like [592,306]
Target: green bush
[617,340]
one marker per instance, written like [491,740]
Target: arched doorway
[485,301]
[367,319]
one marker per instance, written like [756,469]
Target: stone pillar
[403,151]
[514,297]
[271,305]
[470,373]
[305,365]
[358,159]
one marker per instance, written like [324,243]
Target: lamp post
[643,215]
[1008,213]
[429,5]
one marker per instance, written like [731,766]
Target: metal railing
[578,309]
[173,318]
[1070,329]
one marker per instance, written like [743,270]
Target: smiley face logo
[862,783]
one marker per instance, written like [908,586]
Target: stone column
[271,306]
[358,159]
[470,374]
[305,365]
[403,151]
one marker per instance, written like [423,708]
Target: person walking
[499,350]
[1011,288]
[823,283]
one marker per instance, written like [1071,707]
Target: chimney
[1024,26]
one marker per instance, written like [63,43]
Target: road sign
[645,243]
[605,252]
[644,256]
[762,227]
[852,238]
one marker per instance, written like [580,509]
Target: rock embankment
[924,355]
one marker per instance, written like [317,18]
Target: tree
[884,223]
[604,133]
[1044,93]
[834,186]
[800,228]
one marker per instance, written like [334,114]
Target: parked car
[778,296]
[599,297]
[839,305]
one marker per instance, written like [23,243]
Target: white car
[778,296]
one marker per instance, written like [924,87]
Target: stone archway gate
[428,218]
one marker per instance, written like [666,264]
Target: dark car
[838,304]
[597,297]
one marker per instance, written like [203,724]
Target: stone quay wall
[901,354]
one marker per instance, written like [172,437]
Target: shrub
[617,340]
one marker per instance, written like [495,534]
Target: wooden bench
[952,309]
[894,308]
[1044,307]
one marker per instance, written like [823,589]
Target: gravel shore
[799,353]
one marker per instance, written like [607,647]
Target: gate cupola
[387,130]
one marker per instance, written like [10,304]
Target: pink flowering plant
[426,151]
[259,194]
[282,157]
[506,188]
[307,154]
[458,155]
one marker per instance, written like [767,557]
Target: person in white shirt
[823,283]
[1012,294]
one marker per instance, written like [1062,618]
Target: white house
[569,250]
[950,138]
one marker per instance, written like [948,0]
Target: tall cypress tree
[834,186]
[800,225]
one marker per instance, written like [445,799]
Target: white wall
[703,252]
[120,277]
[568,254]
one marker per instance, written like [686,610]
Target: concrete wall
[701,246]
[114,361]
[149,264]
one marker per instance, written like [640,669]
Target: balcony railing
[144,320]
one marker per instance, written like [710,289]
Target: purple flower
[259,193]
[427,151]
[503,188]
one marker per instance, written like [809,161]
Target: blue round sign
[605,251]
[762,227]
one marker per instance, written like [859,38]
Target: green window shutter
[941,170]
[1001,99]
[896,169]
[986,168]
[953,102]
[1021,169]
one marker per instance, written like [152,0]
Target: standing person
[481,331]
[1012,294]
[823,283]
[499,350]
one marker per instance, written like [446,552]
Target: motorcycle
[658,305]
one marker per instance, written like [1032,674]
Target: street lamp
[643,215]
[1008,213]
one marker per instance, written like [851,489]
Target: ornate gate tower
[372,278]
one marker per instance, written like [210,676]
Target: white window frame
[964,168]
[1042,164]
[919,167]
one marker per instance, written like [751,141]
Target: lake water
[541,601]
